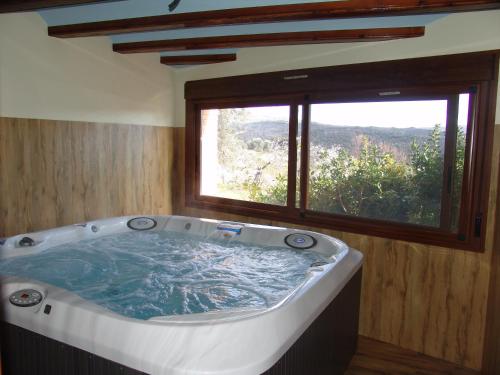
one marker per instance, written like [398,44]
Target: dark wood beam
[198,59]
[277,13]
[276,39]
[9,6]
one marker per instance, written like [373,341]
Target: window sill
[363,226]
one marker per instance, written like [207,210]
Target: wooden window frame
[443,75]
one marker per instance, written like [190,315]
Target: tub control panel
[26,298]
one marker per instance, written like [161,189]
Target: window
[244,149]
[405,161]
[389,160]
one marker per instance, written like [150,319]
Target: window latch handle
[478,224]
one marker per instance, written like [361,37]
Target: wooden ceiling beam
[275,39]
[10,6]
[275,13]
[198,59]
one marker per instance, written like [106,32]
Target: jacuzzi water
[148,274]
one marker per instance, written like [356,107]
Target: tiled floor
[377,358]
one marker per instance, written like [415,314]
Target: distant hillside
[344,136]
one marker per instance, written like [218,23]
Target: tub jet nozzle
[26,242]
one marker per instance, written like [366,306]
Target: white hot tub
[243,340]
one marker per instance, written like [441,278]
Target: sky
[397,114]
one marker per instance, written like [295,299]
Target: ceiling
[128,9]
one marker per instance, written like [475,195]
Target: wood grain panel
[56,173]
[424,298]
[491,358]
[376,358]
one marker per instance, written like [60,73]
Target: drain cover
[26,297]
[300,241]
[141,223]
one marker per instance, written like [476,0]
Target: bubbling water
[149,274]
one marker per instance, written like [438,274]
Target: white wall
[456,33]
[78,79]
[84,80]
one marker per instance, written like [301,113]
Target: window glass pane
[381,160]
[299,160]
[244,153]
[458,166]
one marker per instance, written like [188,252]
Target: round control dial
[141,223]
[300,241]
[26,298]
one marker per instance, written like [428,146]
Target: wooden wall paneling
[420,297]
[491,357]
[133,173]
[57,173]
[178,182]
[47,196]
